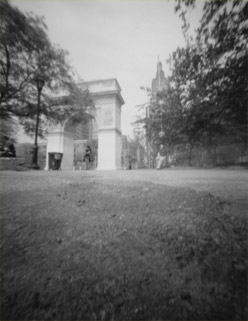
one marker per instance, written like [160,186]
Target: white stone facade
[107,99]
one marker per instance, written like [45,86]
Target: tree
[8,128]
[27,53]
[215,79]
[206,102]
[136,151]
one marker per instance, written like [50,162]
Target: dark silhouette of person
[7,148]
[87,156]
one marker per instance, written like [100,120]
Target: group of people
[7,148]
[160,159]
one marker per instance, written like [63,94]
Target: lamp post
[148,144]
[161,133]
[40,83]
[148,149]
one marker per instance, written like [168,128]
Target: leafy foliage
[27,53]
[136,150]
[222,71]
[207,100]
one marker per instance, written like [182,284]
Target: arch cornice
[114,93]
[103,88]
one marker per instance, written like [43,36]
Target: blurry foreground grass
[119,251]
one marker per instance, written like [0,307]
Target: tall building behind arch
[159,82]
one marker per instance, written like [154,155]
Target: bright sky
[114,39]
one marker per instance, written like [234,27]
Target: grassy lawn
[98,250]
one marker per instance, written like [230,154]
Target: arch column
[61,141]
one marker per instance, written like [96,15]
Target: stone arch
[107,115]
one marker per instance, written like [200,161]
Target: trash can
[55,160]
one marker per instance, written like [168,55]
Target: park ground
[124,245]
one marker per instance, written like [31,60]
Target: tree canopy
[27,53]
[206,101]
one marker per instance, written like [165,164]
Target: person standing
[161,157]
[87,157]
